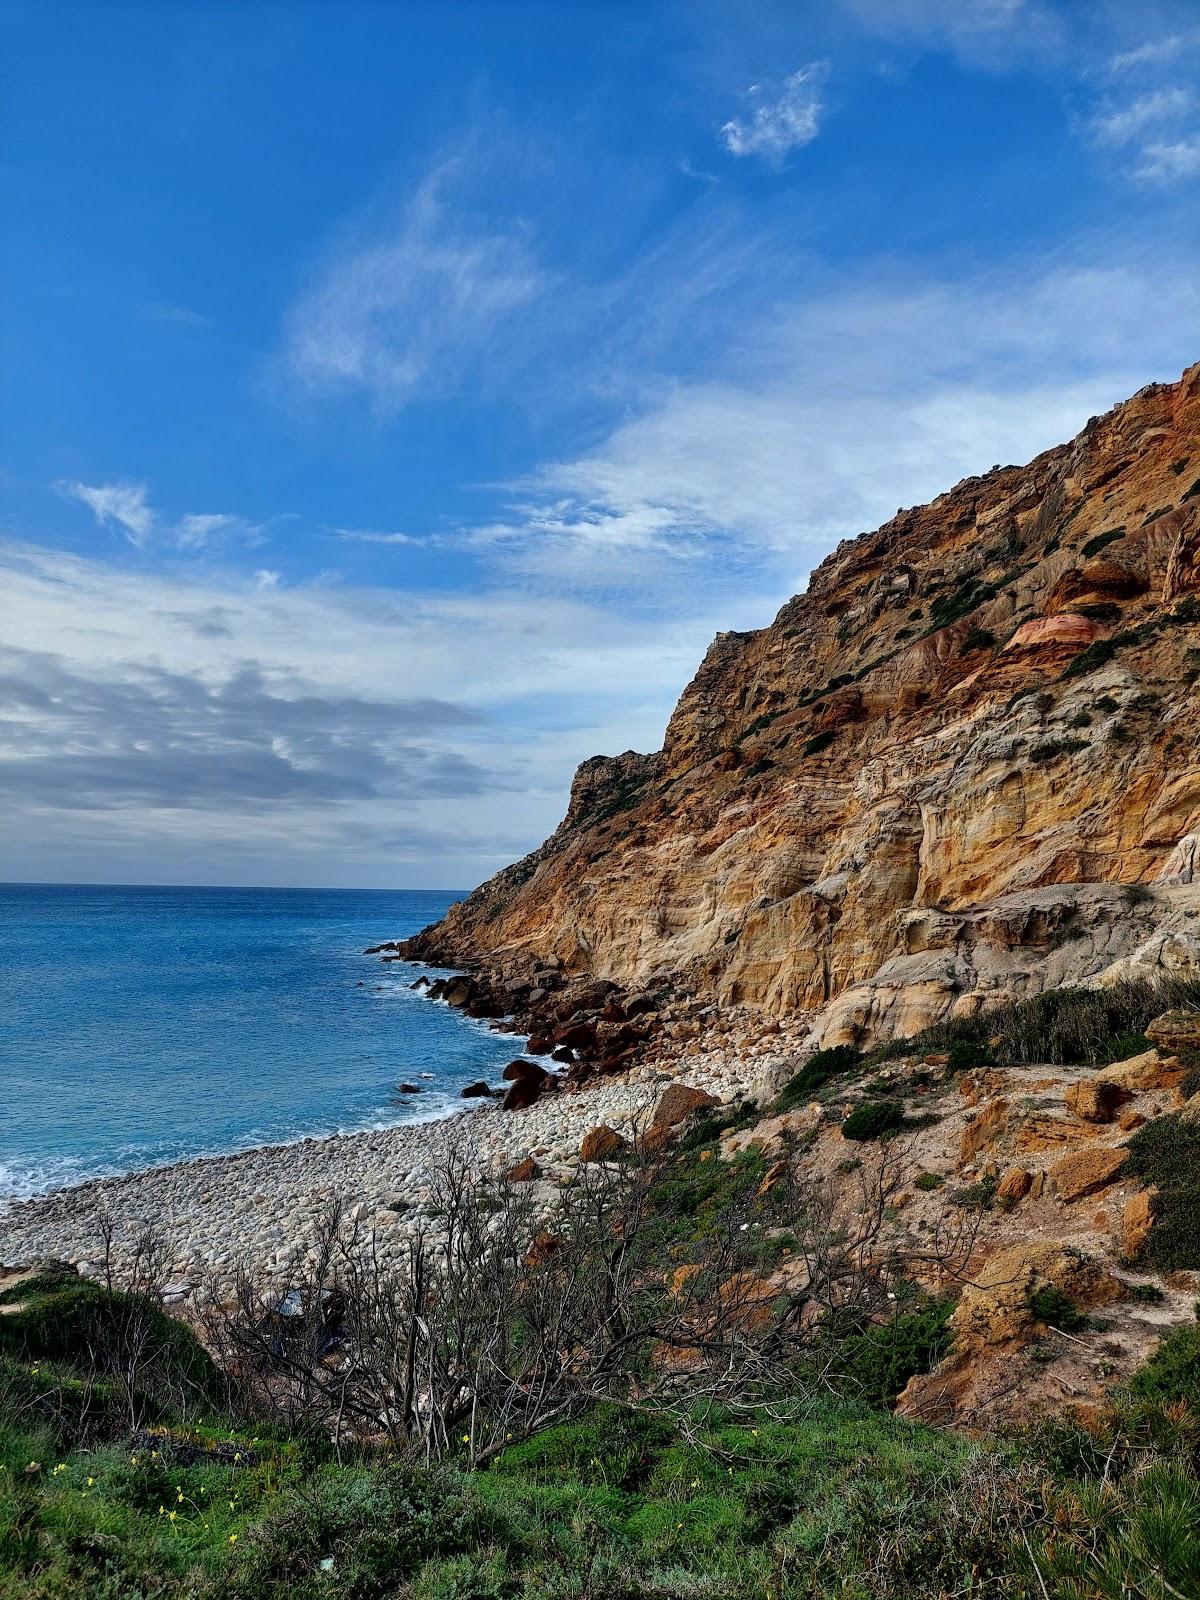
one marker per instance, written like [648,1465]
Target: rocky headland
[961,771]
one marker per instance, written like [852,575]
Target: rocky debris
[1096,1099]
[601,1144]
[1087,1171]
[1176,1032]
[994,1318]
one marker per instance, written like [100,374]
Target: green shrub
[1146,1294]
[1094,546]
[874,1119]
[1062,1027]
[927,1182]
[1173,1371]
[816,1072]
[1165,1153]
[977,639]
[876,1364]
[79,1322]
[1050,1305]
[818,742]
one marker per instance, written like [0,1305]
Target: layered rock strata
[961,767]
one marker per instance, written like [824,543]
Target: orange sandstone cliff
[962,767]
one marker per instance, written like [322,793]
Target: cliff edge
[963,766]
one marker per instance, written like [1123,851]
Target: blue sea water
[141,1025]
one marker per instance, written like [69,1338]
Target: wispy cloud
[1170,161]
[1124,124]
[116,505]
[783,121]
[373,536]
[1157,132]
[851,404]
[1154,52]
[982,33]
[409,309]
[127,506]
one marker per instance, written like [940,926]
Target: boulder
[1146,1071]
[677,1103]
[577,1036]
[1095,1099]
[528,1081]
[982,1130]
[1175,1031]
[526,1171]
[544,1248]
[408,1088]
[458,992]
[1014,1185]
[602,1143]
[1087,1171]
[476,1091]
[1136,1221]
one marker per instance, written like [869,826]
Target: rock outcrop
[962,767]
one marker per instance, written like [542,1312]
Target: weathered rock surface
[919,791]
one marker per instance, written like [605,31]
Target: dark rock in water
[458,992]
[477,1091]
[419,983]
[377,949]
[539,1044]
[563,1056]
[408,1088]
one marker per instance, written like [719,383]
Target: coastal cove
[146,1026]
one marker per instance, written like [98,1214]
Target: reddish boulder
[524,1172]
[677,1103]
[602,1143]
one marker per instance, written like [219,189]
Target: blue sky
[399,397]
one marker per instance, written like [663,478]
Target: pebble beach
[261,1208]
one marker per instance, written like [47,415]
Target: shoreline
[260,1207]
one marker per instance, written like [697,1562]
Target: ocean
[143,1025]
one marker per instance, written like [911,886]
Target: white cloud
[371,536]
[1124,124]
[264,578]
[195,530]
[842,410]
[411,308]
[309,734]
[783,123]
[1152,53]
[991,34]
[1168,162]
[121,505]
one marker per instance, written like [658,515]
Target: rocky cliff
[964,765]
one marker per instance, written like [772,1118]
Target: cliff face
[920,787]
